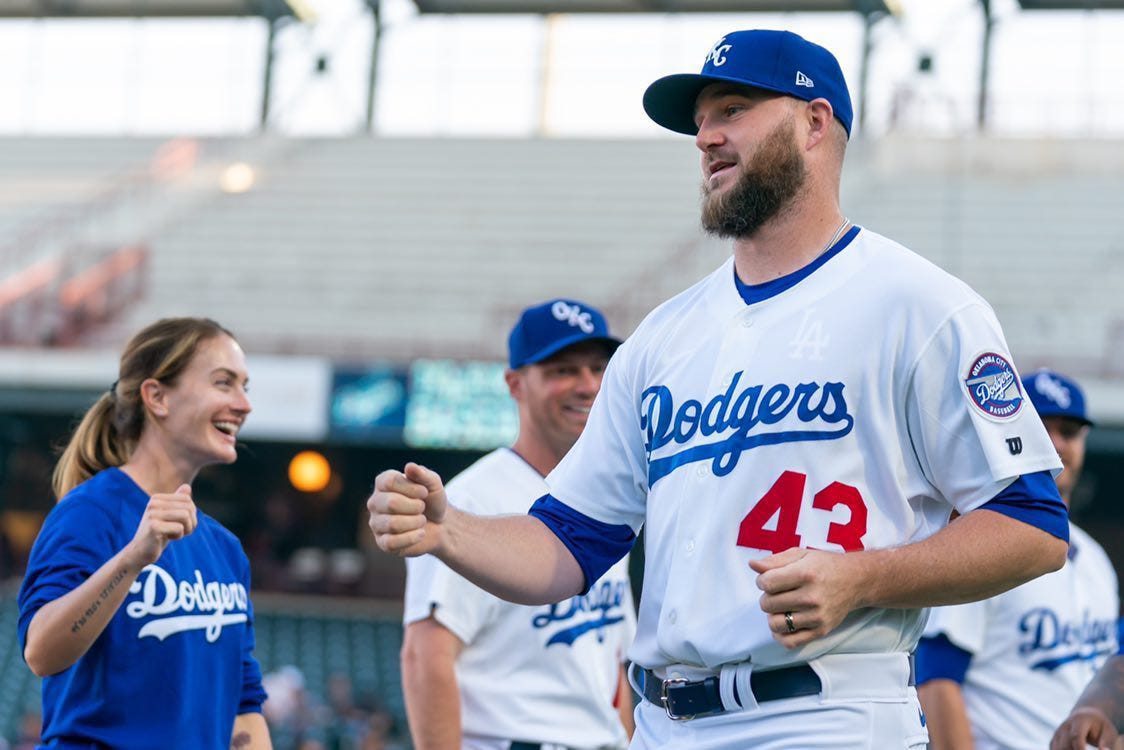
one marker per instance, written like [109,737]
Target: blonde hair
[109,431]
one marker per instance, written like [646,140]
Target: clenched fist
[167,517]
[407,509]
[807,593]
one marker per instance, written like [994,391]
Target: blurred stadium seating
[394,249]
[322,638]
[397,248]
[19,688]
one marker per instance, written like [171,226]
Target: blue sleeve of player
[595,545]
[253,694]
[1034,499]
[76,540]
[938,658]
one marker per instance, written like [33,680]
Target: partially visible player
[1002,673]
[479,672]
[135,607]
[792,433]
[1098,717]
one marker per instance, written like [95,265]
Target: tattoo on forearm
[109,587]
[242,739]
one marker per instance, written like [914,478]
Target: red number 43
[785,499]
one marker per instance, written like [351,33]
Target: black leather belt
[684,699]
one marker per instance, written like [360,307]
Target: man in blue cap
[793,433]
[479,672]
[1003,673]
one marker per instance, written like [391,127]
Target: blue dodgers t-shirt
[175,665]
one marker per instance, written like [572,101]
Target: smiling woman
[135,608]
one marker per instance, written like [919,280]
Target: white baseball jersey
[851,411]
[1034,648]
[543,674]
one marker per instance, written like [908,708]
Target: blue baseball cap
[1055,395]
[777,61]
[546,329]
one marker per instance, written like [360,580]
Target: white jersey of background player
[549,674]
[1003,673]
[826,391]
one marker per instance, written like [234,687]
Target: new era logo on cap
[803,80]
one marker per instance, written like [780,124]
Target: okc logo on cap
[993,386]
[548,328]
[1055,395]
[572,315]
[1053,389]
[717,56]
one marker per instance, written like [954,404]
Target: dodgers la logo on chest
[163,598]
[738,418]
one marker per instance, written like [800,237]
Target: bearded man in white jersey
[483,674]
[792,433]
[1001,674]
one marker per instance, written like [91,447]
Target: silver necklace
[834,238]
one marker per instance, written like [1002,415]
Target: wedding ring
[789,623]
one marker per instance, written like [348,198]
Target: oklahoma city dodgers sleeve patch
[993,387]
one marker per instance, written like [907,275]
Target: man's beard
[764,188]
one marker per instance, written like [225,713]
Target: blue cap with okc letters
[546,329]
[777,61]
[1055,395]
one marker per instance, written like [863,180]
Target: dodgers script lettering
[735,417]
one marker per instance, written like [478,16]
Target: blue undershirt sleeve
[1034,499]
[938,658]
[596,546]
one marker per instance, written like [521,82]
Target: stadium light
[238,177]
[309,471]
[303,10]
